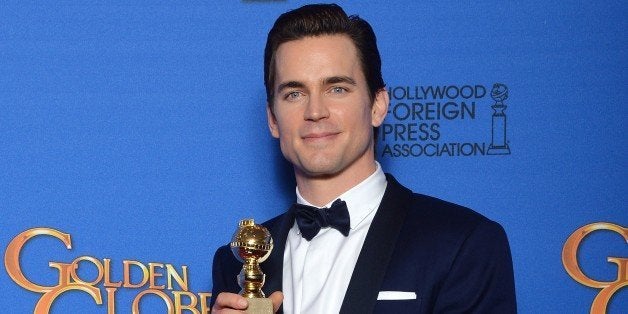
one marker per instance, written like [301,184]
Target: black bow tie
[311,219]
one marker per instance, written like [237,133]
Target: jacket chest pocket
[399,306]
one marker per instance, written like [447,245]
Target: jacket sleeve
[224,273]
[480,279]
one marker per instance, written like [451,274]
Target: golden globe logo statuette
[570,261]
[251,244]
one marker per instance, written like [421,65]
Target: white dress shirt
[316,273]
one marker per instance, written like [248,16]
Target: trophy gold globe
[251,244]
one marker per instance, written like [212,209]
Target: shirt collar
[361,199]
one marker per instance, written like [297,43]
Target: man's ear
[380,107]
[272,121]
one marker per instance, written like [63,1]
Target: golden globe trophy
[251,244]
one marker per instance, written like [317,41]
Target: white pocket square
[396,295]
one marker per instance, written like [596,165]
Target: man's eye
[292,95]
[338,90]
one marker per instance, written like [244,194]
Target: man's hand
[235,303]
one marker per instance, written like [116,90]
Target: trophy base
[498,150]
[259,306]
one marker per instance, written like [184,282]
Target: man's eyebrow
[289,84]
[339,79]
[327,81]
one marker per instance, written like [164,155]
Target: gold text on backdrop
[570,261]
[69,279]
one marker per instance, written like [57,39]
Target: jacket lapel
[377,250]
[273,266]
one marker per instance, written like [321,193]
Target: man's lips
[319,135]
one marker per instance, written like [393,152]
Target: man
[388,250]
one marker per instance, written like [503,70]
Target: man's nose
[316,108]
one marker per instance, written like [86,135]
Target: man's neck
[320,190]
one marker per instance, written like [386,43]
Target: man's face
[322,112]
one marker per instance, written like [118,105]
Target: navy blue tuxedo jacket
[454,259]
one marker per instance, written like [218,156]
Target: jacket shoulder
[448,221]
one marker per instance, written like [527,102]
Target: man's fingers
[226,301]
[276,297]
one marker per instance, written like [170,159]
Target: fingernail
[242,303]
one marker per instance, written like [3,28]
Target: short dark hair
[324,19]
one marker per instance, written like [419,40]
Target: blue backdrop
[139,129]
